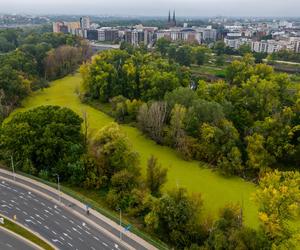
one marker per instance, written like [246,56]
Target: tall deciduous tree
[278,198]
[156,176]
[113,152]
[175,217]
[152,119]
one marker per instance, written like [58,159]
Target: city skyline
[195,8]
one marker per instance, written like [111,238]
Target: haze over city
[195,8]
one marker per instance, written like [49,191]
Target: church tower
[174,18]
[171,22]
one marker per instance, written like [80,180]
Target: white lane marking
[37,215]
[18,209]
[87,232]
[71,221]
[46,227]
[56,222]
[24,213]
[43,204]
[80,239]
[76,230]
[69,231]
[71,244]
[22,197]
[97,239]
[50,208]
[27,220]
[62,238]
[67,236]
[54,232]
[79,227]
[56,240]
[64,216]
[104,244]
[6,206]
[116,246]
[48,212]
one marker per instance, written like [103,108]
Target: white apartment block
[271,46]
[189,34]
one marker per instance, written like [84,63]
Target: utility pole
[58,188]
[13,167]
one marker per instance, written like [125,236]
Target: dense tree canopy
[278,198]
[139,76]
[242,126]
[30,58]
[46,140]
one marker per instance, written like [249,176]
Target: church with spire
[171,22]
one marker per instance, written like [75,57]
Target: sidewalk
[129,239]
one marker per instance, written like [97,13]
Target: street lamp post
[13,167]
[120,219]
[58,188]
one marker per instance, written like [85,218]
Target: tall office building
[85,22]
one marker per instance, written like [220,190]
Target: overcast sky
[155,7]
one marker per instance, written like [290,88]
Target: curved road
[9,241]
[54,222]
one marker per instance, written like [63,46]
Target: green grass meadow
[216,190]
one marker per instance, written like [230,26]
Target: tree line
[243,126]
[50,140]
[31,57]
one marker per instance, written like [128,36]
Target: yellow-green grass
[11,226]
[216,190]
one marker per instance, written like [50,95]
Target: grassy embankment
[216,190]
[11,226]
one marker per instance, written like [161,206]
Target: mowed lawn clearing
[216,190]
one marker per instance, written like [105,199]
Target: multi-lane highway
[9,241]
[54,222]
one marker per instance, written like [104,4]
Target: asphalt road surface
[58,225]
[10,242]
